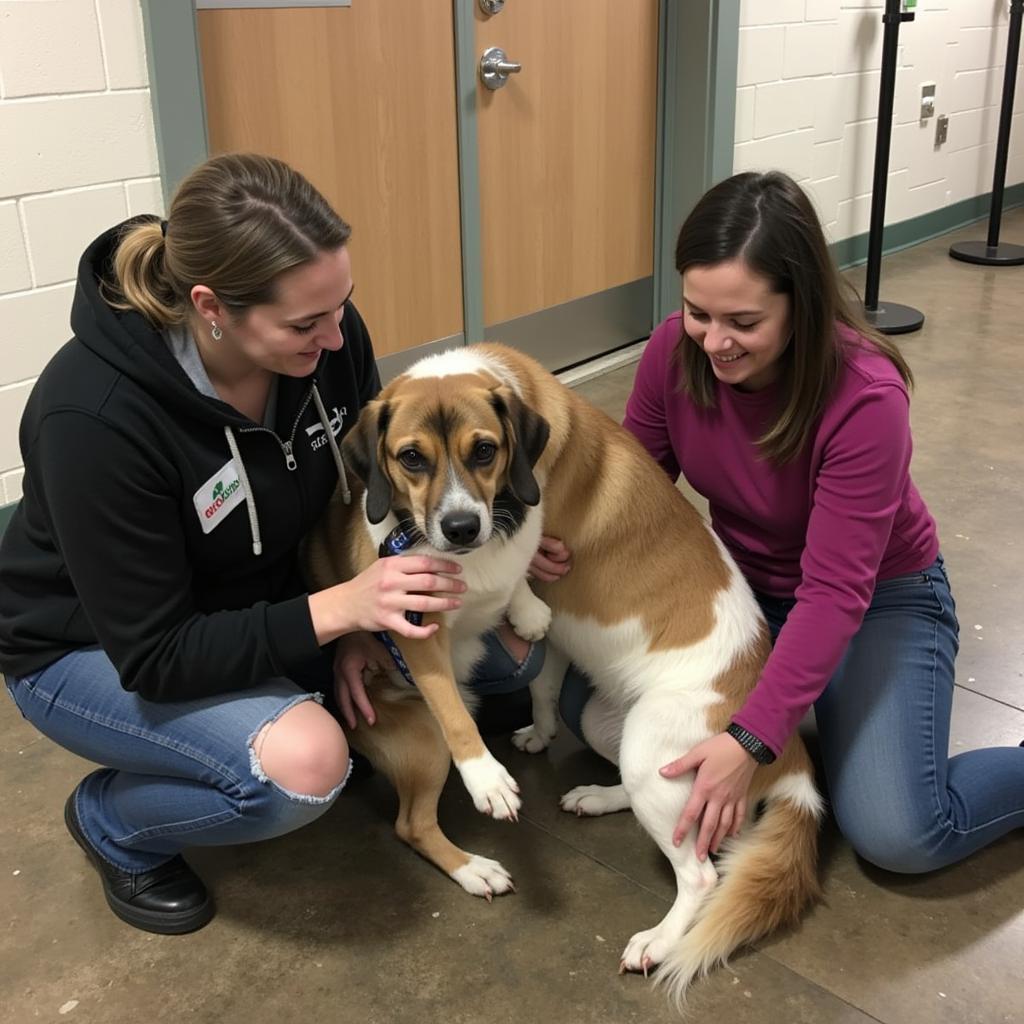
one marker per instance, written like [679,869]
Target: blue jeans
[176,774]
[883,727]
[182,774]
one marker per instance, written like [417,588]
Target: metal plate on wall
[583,328]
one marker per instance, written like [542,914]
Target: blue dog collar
[399,540]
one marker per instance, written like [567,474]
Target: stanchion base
[892,318]
[1005,254]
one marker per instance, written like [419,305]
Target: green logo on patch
[220,495]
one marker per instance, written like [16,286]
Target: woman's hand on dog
[719,795]
[552,560]
[354,654]
[378,598]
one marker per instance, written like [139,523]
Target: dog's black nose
[461,528]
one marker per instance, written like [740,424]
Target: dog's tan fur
[638,545]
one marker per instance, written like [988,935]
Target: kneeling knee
[304,751]
[896,850]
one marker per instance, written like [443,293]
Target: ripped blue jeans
[185,773]
[176,774]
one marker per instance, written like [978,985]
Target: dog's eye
[411,459]
[484,453]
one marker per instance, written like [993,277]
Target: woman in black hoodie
[176,451]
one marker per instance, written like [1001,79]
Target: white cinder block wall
[77,154]
[807,103]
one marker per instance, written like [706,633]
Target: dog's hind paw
[647,949]
[530,740]
[493,790]
[591,801]
[483,877]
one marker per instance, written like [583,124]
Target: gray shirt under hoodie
[184,349]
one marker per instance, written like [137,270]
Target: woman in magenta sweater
[792,418]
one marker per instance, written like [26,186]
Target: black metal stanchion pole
[888,317]
[992,252]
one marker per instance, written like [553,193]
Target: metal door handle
[495,67]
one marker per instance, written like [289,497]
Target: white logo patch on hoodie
[218,496]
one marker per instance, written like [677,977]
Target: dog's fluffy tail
[768,878]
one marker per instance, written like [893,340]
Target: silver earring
[216,333]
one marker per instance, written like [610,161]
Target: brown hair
[768,222]
[235,224]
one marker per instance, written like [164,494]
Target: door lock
[495,67]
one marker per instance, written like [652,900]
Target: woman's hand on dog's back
[378,598]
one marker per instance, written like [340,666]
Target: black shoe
[169,900]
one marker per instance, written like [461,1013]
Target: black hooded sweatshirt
[138,530]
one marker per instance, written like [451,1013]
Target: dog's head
[454,454]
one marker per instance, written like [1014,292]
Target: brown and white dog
[449,456]
[655,611]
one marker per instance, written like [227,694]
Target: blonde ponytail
[236,223]
[141,279]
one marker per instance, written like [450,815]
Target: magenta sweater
[823,528]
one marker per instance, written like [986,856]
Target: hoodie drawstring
[250,502]
[346,494]
[243,476]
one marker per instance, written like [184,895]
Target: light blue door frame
[696,123]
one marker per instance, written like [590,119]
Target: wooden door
[361,100]
[566,170]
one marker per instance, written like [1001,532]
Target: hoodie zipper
[287,447]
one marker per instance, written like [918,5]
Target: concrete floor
[341,923]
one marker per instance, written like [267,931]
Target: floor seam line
[987,696]
[596,860]
[752,946]
[819,986]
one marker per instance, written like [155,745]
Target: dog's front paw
[483,877]
[531,740]
[493,790]
[529,616]
[591,801]
[647,949]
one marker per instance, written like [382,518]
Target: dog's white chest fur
[495,578]
[493,574]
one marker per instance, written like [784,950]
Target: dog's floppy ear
[528,431]
[363,448]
